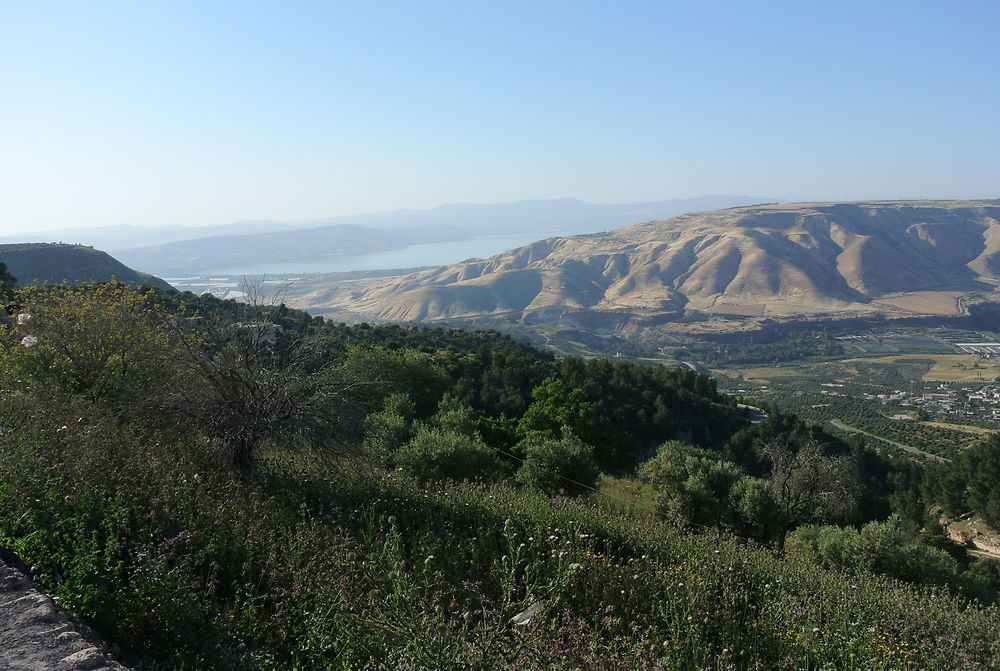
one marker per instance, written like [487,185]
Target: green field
[761,374]
[946,367]
[977,430]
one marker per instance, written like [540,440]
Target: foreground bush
[553,466]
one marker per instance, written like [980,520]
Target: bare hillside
[900,258]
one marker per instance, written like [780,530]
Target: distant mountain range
[126,236]
[207,255]
[183,250]
[894,259]
[52,263]
[531,216]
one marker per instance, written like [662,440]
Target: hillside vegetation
[895,259]
[52,263]
[221,495]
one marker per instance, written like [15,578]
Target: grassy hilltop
[44,262]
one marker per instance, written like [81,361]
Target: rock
[36,636]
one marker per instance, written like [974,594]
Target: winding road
[912,450]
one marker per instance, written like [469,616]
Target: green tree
[755,502]
[8,283]
[388,429]
[980,468]
[553,407]
[945,485]
[408,371]
[445,454]
[970,483]
[455,415]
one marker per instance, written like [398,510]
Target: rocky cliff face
[891,258]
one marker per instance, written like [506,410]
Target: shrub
[754,504]
[564,465]
[108,343]
[444,454]
[879,547]
[692,485]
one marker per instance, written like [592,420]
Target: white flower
[29,341]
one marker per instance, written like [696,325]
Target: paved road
[753,413]
[912,450]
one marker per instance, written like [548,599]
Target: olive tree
[808,485]
[691,485]
[558,465]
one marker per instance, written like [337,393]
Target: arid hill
[897,259]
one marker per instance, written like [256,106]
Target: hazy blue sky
[209,111]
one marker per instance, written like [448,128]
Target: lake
[429,254]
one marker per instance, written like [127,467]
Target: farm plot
[927,302]
[759,374]
[943,367]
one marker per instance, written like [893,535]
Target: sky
[202,113]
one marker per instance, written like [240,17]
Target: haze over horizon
[147,114]
[393,217]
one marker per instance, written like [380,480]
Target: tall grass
[156,544]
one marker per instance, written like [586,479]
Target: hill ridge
[42,262]
[751,261]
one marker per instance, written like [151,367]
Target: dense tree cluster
[196,374]
[971,483]
[791,348]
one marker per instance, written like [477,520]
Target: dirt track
[36,636]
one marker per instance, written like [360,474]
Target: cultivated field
[876,393]
[927,302]
[946,367]
[748,309]
[978,430]
[760,374]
